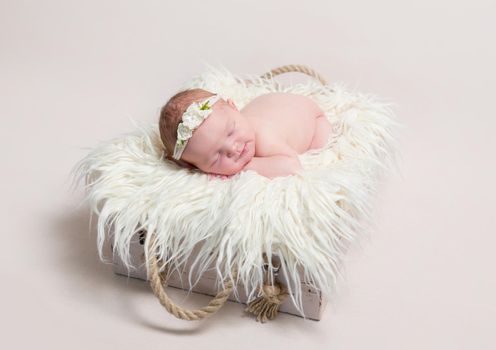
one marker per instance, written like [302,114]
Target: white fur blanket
[307,220]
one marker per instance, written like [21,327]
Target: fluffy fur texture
[307,220]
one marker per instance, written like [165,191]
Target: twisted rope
[158,282]
[294,68]
[266,306]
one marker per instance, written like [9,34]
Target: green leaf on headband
[204,106]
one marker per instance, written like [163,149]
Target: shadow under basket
[313,301]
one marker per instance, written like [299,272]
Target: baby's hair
[170,117]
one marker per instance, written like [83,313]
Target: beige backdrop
[72,73]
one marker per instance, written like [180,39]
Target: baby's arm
[274,166]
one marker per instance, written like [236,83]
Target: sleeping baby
[201,130]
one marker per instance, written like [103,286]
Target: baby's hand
[222,177]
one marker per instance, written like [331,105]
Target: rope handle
[294,68]
[157,283]
[265,306]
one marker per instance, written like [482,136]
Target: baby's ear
[231,103]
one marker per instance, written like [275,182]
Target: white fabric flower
[194,117]
[204,113]
[192,120]
[183,132]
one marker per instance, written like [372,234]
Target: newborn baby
[201,130]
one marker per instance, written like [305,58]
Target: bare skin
[265,136]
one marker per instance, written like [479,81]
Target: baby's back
[285,123]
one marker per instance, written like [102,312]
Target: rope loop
[158,282]
[294,68]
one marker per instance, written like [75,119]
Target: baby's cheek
[231,168]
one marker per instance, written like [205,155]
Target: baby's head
[223,143]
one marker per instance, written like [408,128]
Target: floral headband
[196,113]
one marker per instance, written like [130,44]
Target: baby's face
[224,143]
